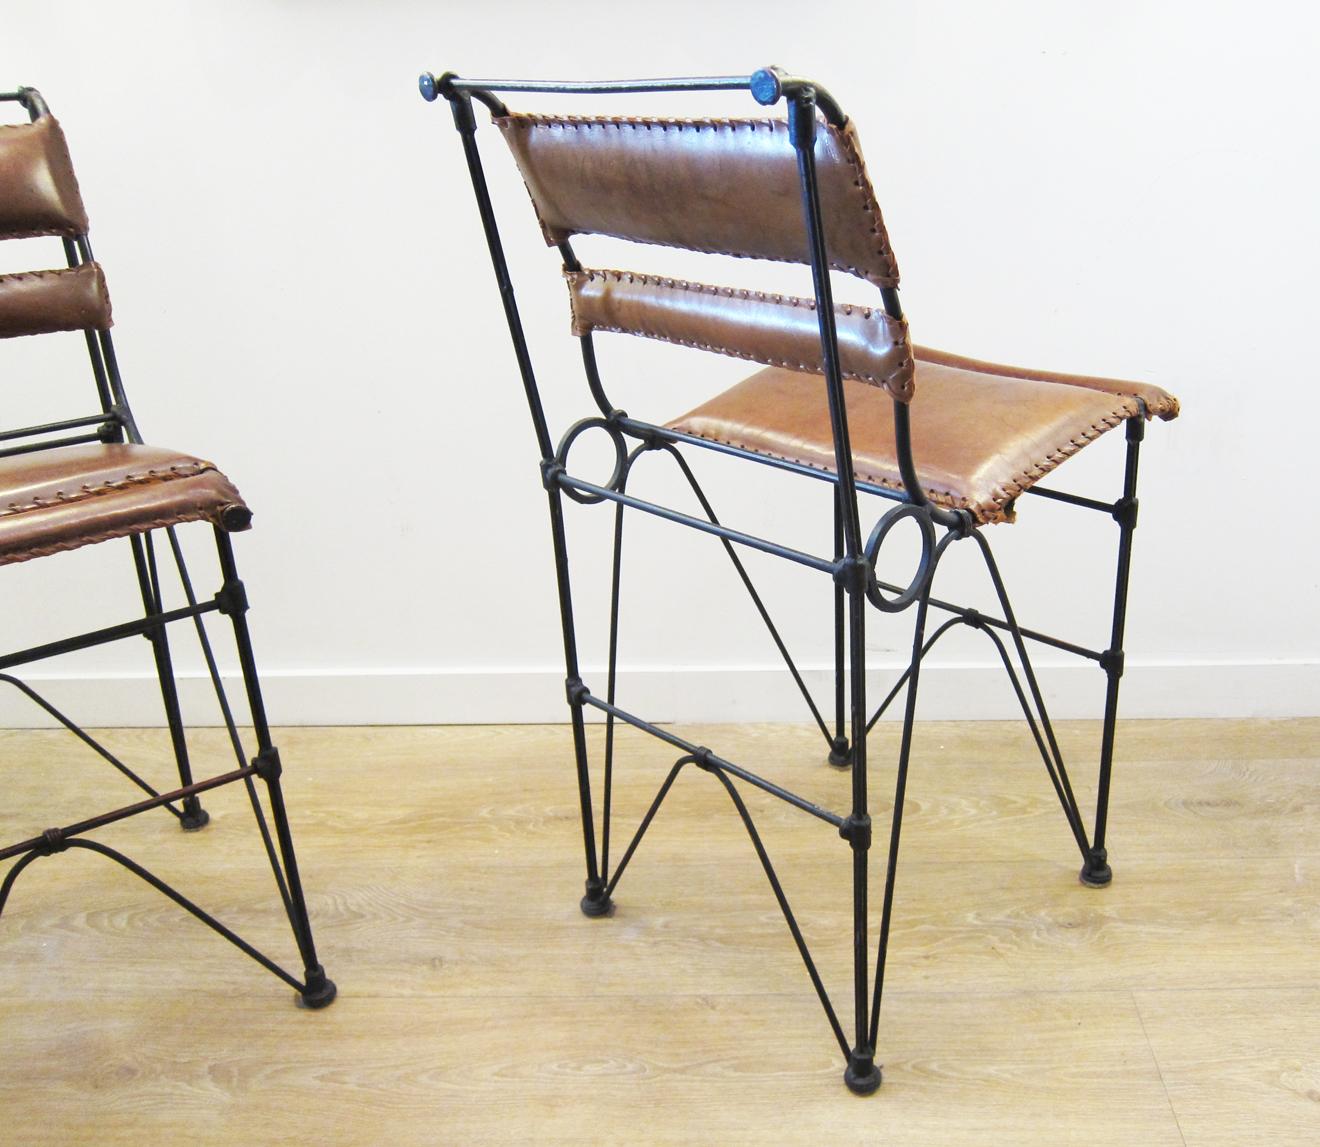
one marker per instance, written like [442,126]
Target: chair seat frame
[851,566]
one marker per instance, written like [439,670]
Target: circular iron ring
[620,457]
[921,515]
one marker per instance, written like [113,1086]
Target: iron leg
[856,1077]
[1095,870]
[318,991]
[862,1074]
[839,756]
[596,901]
[194,816]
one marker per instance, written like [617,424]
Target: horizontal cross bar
[649,431]
[55,427]
[825,565]
[103,636]
[700,753]
[131,810]
[1072,499]
[50,444]
[997,623]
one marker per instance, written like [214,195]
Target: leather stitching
[991,510]
[1159,403]
[67,232]
[943,497]
[62,232]
[889,277]
[74,543]
[129,481]
[1032,474]
[53,273]
[853,155]
[98,277]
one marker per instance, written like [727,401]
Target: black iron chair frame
[851,566]
[115,423]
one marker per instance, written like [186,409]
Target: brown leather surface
[1158,402]
[73,496]
[38,302]
[778,330]
[38,190]
[979,439]
[723,186]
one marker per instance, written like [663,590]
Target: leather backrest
[778,330]
[38,190]
[724,186]
[39,302]
[39,196]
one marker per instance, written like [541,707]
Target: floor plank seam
[1159,1067]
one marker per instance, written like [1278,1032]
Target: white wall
[302,293]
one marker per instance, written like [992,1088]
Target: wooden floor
[477,1005]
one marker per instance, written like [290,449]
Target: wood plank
[1240,1066]
[579,1070]
[444,866]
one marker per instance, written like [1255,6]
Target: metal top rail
[605,87]
[767,86]
[31,100]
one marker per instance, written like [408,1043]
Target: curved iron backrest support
[39,197]
[791,190]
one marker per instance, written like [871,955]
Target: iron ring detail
[925,567]
[620,457]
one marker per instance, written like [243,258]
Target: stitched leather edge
[943,497]
[1028,477]
[847,137]
[102,290]
[62,232]
[990,511]
[847,146]
[86,492]
[158,523]
[898,382]
[1166,408]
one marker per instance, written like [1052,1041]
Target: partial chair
[89,478]
[897,432]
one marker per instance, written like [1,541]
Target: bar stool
[89,479]
[902,433]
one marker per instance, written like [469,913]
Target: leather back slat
[39,302]
[38,191]
[778,330]
[721,186]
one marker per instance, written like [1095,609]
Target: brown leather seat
[77,495]
[981,433]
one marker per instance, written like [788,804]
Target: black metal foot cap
[862,1075]
[1096,872]
[840,757]
[597,901]
[320,992]
[598,905]
[194,816]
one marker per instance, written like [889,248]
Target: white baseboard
[764,693]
